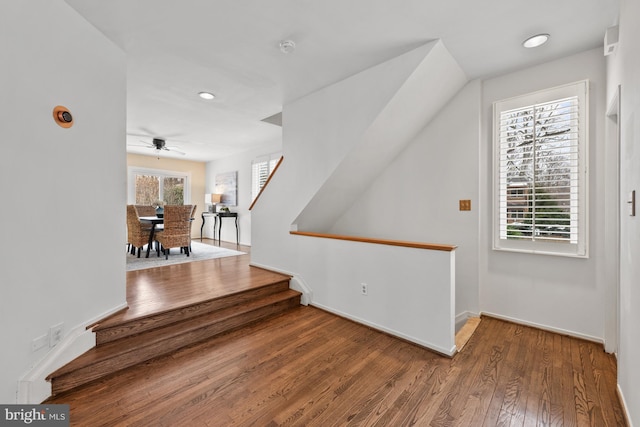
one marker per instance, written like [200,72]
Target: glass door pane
[147,189]
[173,191]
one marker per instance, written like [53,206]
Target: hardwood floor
[311,368]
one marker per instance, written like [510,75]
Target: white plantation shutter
[541,159]
[260,170]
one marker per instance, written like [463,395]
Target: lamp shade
[216,198]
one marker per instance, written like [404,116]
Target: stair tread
[153,337]
[129,316]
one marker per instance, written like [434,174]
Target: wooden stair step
[113,329]
[114,356]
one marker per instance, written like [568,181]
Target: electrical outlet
[55,334]
[364,289]
[39,342]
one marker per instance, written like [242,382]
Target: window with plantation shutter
[261,168]
[541,172]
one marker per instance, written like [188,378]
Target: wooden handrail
[417,245]
[266,182]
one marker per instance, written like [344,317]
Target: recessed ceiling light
[535,41]
[206,95]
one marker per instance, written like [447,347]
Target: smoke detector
[287,46]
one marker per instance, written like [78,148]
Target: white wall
[624,70]
[64,190]
[410,292]
[242,164]
[319,131]
[416,196]
[559,293]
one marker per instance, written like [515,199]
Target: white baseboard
[446,352]
[545,327]
[623,402]
[462,318]
[33,388]
[297,283]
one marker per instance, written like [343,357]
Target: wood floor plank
[510,387]
[310,368]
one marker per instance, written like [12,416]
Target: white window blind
[541,171]
[261,168]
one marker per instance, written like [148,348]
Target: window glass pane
[539,164]
[147,189]
[173,191]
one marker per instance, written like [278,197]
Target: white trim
[297,283]
[268,267]
[450,352]
[33,388]
[612,214]
[545,327]
[462,318]
[624,405]
[580,248]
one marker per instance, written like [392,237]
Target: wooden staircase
[122,344]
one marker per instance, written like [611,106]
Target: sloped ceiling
[429,77]
[230,48]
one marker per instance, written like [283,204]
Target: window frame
[580,249]
[132,171]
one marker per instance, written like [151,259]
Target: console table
[220,215]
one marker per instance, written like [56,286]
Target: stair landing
[176,306]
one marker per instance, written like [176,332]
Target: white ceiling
[176,49]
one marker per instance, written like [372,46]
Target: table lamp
[215,199]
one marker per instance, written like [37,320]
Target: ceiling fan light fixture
[535,41]
[206,95]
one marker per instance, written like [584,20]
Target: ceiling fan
[159,144]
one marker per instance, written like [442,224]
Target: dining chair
[137,233]
[146,210]
[177,229]
[193,217]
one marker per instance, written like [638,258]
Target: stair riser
[106,367]
[162,319]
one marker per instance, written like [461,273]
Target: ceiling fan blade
[173,150]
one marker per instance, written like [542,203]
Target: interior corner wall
[63,189]
[416,197]
[195,169]
[558,293]
[318,131]
[242,164]
[623,68]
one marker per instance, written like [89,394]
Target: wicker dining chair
[177,229]
[146,210]
[193,217]
[137,233]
